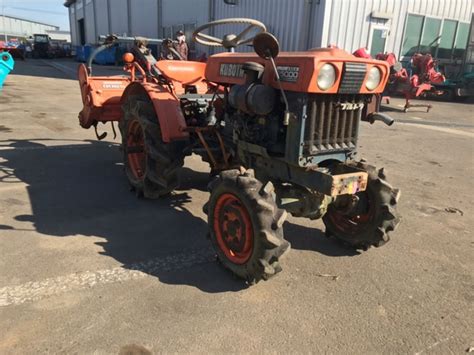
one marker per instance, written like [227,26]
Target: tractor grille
[332,123]
[352,78]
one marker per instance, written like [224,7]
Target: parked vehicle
[279,130]
[457,89]
[14,47]
[42,46]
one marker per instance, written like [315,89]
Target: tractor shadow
[80,189]
[314,239]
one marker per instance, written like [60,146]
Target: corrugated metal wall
[144,15]
[298,24]
[134,17]
[185,11]
[287,19]
[119,17]
[89,13]
[72,25]
[348,23]
[102,17]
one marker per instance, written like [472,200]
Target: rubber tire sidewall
[253,266]
[375,233]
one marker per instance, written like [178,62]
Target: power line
[35,10]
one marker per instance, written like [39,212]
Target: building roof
[27,20]
[68,3]
[59,32]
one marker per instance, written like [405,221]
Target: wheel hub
[233,228]
[353,215]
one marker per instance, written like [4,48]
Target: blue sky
[47,11]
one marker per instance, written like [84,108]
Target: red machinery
[411,87]
[279,130]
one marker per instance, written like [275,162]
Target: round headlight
[326,76]
[373,79]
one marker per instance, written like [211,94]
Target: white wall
[22,28]
[60,35]
[347,23]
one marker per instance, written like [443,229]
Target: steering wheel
[230,40]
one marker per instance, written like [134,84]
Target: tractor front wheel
[246,226]
[151,165]
[368,216]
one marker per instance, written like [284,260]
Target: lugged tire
[383,217]
[266,224]
[163,160]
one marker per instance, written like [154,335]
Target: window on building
[431,36]
[447,39]
[412,35]
[444,39]
[461,40]
[379,37]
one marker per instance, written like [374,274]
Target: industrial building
[398,26]
[16,27]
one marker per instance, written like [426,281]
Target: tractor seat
[182,71]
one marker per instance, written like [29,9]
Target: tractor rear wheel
[368,222]
[246,226]
[151,165]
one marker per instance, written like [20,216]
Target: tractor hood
[299,70]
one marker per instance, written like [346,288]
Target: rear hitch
[378,116]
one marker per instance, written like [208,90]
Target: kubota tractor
[279,131]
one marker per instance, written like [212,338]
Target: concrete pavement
[86,267]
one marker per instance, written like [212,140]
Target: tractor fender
[167,108]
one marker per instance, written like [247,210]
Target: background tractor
[279,130]
[422,82]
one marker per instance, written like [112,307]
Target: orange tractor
[279,131]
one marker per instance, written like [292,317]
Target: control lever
[287,114]
[267,47]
